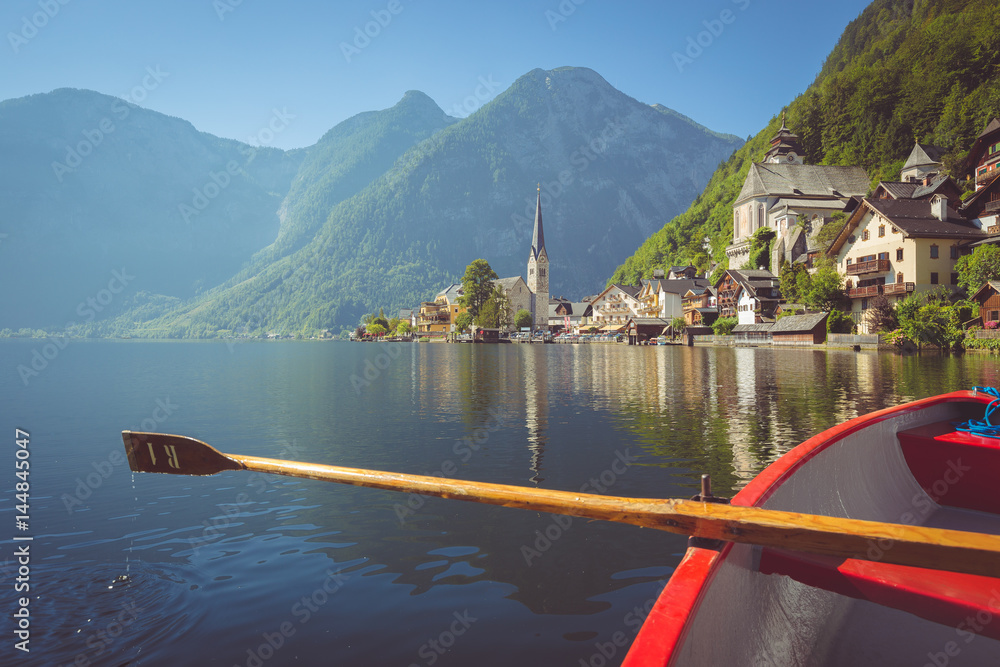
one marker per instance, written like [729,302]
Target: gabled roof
[912,217]
[451,292]
[678,285]
[974,206]
[751,280]
[573,309]
[405,313]
[990,128]
[803,180]
[763,327]
[941,184]
[794,204]
[799,323]
[509,283]
[923,155]
[990,285]
[631,290]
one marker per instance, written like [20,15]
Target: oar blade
[174,454]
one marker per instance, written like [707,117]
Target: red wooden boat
[738,604]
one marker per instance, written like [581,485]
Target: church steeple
[785,147]
[538,237]
[538,269]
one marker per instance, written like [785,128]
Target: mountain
[903,70]
[610,171]
[93,185]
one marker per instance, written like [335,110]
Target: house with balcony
[984,156]
[613,307]
[663,299]
[438,316]
[566,315]
[750,295]
[699,306]
[896,247]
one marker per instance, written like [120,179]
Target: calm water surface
[249,569]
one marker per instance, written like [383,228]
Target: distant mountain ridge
[390,206]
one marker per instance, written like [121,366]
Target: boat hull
[744,605]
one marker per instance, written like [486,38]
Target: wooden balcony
[864,292]
[987,176]
[897,288]
[871,266]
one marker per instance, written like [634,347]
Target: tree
[928,320]
[724,325]
[678,325]
[376,329]
[403,327]
[463,321]
[792,277]
[523,319]
[881,315]
[976,269]
[826,288]
[760,249]
[837,321]
[477,286]
[496,311]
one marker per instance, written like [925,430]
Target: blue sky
[227,65]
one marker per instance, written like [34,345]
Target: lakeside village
[815,258]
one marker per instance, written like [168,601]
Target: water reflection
[552,416]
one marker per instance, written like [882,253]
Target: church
[792,198]
[532,295]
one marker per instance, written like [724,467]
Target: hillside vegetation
[904,70]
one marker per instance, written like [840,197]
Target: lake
[248,569]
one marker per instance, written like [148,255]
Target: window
[881,231]
[994,315]
[864,235]
[934,252]
[864,304]
[954,252]
[899,278]
[849,260]
[934,279]
[531,272]
[954,279]
[899,254]
[541,273]
[894,230]
[883,255]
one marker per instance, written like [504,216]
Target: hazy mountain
[611,170]
[90,184]
[903,70]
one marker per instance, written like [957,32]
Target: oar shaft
[918,546]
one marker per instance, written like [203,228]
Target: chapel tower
[538,269]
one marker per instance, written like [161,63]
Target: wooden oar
[957,551]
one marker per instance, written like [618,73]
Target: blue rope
[985,426]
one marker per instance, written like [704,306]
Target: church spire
[538,237]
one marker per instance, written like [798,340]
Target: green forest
[903,71]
